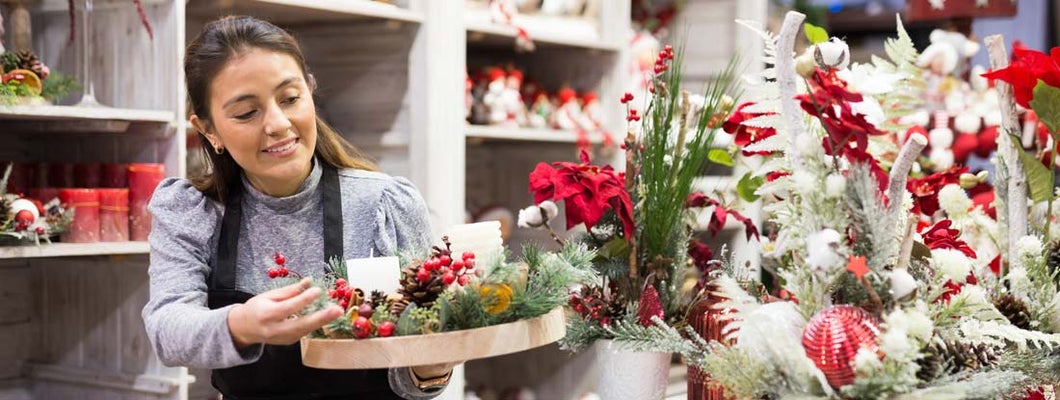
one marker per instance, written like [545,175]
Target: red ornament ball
[833,337]
[386,329]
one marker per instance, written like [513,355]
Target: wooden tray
[436,348]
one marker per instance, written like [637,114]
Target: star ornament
[857,266]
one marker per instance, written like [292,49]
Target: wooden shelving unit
[531,135]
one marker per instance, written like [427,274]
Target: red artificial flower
[701,255]
[744,135]
[995,265]
[830,101]
[926,190]
[941,236]
[1026,69]
[587,191]
[954,288]
[720,214]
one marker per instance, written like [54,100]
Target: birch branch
[1016,200]
[787,80]
[907,243]
[900,171]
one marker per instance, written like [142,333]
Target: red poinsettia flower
[926,190]
[1026,69]
[720,214]
[954,288]
[587,191]
[829,101]
[744,135]
[942,236]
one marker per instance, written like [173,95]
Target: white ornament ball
[940,138]
[20,205]
[943,159]
[967,122]
[902,284]
[835,185]
[992,118]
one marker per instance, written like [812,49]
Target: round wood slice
[435,348]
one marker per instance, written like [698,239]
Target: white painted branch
[1016,201]
[787,80]
[907,242]
[900,171]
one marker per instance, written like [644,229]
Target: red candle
[44,194]
[61,175]
[113,215]
[40,175]
[87,175]
[143,178]
[85,226]
[115,175]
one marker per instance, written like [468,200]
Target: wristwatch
[430,384]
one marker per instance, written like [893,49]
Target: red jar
[707,321]
[113,215]
[61,175]
[115,175]
[143,179]
[87,175]
[84,228]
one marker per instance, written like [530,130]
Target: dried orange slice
[29,79]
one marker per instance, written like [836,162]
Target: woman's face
[262,113]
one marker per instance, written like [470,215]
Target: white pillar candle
[374,273]
[482,238]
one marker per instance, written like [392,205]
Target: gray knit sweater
[381,214]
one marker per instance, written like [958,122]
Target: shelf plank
[70,119]
[74,249]
[71,113]
[295,12]
[548,30]
[528,134]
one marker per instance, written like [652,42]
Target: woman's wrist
[235,327]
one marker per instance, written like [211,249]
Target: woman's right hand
[266,318]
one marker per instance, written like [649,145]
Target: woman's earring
[220,150]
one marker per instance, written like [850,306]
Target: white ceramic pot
[632,375]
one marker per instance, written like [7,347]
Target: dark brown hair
[222,40]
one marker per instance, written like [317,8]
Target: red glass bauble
[833,337]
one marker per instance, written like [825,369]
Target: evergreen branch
[742,374]
[994,332]
[875,225]
[1041,368]
[660,337]
[581,333]
[991,384]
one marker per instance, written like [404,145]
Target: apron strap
[332,213]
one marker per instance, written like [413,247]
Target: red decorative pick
[650,306]
[833,337]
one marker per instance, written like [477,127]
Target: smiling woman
[281,179]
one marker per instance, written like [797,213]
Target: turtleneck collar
[306,193]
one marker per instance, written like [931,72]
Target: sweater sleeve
[182,329]
[402,219]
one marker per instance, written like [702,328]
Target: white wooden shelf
[69,119]
[295,12]
[528,134]
[74,249]
[548,30]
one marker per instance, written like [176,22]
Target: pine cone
[377,298]
[1014,309]
[930,364]
[423,294]
[953,357]
[5,210]
[398,307]
[1053,260]
[29,60]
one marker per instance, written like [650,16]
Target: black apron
[279,373]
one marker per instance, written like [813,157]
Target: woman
[281,181]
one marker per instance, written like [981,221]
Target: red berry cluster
[442,264]
[626,98]
[590,304]
[632,115]
[280,271]
[362,328]
[342,293]
[667,53]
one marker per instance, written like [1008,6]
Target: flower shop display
[885,282]
[448,306]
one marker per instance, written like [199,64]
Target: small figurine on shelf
[479,112]
[940,138]
[592,111]
[469,98]
[512,99]
[493,98]
[568,115]
[541,110]
[944,61]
